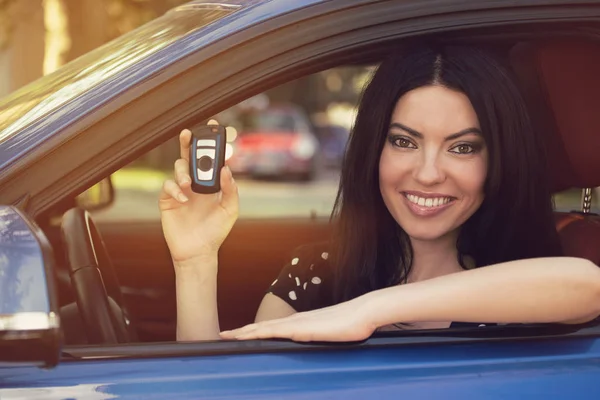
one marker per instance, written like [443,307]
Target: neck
[433,258]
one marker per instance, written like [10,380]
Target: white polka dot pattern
[305,281]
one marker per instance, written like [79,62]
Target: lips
[427,204]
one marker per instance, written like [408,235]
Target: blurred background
[285,145]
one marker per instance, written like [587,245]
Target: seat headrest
[562,85]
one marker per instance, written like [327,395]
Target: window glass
[570,200]
[285,148]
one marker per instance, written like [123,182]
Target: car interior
[116,281]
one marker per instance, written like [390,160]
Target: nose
[428,171]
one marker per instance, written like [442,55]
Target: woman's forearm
[197,313]
[565,290]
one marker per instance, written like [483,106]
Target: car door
[497,363]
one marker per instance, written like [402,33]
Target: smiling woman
[443,175]
[450,157]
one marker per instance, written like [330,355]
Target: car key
[207,157]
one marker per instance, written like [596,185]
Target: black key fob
[207,157]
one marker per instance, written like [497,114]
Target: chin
[422,235]
[426,231]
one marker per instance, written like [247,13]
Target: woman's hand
[344,322]
[195,225]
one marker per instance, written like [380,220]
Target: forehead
[434,109]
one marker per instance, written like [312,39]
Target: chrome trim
[206,6]
[29,321]
[586,200]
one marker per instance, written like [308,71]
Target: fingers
[230,198]
[185,139]
[275,328]
[182,173]
[172,190]
[267,330]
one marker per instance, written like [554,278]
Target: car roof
[31,114]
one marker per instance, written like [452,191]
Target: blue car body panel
[541,369]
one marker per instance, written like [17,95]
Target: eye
[401,142]
[463,148]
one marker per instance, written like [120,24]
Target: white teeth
[428,202]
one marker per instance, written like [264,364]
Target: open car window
[285,148]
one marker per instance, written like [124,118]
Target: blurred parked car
[277,142]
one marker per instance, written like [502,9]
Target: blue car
[87,310]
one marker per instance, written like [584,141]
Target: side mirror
[29,322]
[99,196]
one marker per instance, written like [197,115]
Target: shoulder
[306,280]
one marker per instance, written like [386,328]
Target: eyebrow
[419,135]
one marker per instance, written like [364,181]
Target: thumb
[230,198]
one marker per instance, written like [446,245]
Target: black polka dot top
[306,281]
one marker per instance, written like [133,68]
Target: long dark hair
[370,250]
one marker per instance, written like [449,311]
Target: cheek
[472,177]
[391,167]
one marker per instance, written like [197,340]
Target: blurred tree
[21,43]
[125,15]
[5,22]
[95,22]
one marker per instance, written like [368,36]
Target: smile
[427,206]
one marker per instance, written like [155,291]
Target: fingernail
[182,198]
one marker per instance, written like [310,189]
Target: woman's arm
[195,225]
[197,315]
[564,290]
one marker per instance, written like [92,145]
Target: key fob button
[205,163]
[205,175]
[205,152]
[206,143]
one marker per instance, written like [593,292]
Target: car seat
[561,84]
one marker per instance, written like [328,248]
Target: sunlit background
[285,146]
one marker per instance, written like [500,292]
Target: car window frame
[403,338]
[512,333]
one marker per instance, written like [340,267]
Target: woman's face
[434,162]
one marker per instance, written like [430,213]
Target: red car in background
[277,141]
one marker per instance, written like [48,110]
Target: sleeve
[306,281]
